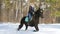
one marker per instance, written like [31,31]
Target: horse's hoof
[35,30]
[17,29]
[25,29]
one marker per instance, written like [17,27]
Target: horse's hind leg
[20,26]
[26,26]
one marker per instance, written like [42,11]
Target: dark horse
[33,23]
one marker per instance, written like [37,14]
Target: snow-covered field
[10,28]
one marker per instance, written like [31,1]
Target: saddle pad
[26,19]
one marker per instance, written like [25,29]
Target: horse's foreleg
[36,27]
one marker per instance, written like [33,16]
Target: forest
[14,10]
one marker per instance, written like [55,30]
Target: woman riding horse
[33,23]
[30,13]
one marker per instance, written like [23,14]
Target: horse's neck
[36,16]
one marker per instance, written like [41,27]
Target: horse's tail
[23,19]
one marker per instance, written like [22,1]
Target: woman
[31,12]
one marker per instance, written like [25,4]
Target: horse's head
[38,13]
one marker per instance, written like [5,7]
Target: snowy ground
[10,28]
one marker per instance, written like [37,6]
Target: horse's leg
[36,27]
[20,26]
[26,26]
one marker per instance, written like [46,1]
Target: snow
[11,28]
